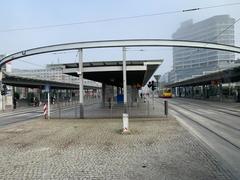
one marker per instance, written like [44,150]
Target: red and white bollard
[45,111]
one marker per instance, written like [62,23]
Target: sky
[15,14]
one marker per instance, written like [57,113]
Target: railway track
[212,119]
[226,140]
[219,109]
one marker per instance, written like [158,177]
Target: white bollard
[125,123]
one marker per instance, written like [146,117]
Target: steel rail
[118,43]
[205,127]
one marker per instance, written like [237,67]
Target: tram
[165,93]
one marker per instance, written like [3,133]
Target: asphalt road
[26,114]
[30,113]
[216,124]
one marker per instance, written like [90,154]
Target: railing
[94,108]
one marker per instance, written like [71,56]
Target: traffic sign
[47,87]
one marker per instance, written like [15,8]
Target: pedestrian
[14,103]
[237,94]
[109,102]
[45,110]
[34,101]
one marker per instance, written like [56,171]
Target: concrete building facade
[188,62]
[52,73]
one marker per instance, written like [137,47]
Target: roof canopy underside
[224,76]
[110,72]
[19,81]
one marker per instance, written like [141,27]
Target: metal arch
[119,43]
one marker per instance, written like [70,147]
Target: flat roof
[224,76]
[19,81]
[110,72]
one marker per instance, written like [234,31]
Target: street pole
[81,83]
[153,98]
[48,107]
[125,114]
[124,80]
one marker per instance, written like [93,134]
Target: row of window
[205,64]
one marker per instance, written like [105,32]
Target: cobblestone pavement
[96,149]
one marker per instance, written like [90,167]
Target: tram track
[212,119]
[210,130]
[226,140]
[220,109]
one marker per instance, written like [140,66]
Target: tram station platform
[96,149]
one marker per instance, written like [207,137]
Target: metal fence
[94,108]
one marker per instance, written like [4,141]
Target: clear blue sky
[31,13]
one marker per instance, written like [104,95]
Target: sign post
[47,89]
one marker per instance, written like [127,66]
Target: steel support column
[192,92]
[203,92]
[220,92]
[80,51]
[124,80]
[103,94]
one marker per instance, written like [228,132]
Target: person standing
[14,103]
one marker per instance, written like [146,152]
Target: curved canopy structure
[118,43]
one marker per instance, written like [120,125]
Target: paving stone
[96,149]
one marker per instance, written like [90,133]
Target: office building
[188,62]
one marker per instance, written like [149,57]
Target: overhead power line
[33,64]
[197,49]
[220,5]
[77,54]
[118,18]
[226,29]
[88,22]
[193,9]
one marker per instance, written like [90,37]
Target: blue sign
[47,88]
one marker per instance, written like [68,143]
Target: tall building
[188,62]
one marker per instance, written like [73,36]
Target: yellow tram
[165,93]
